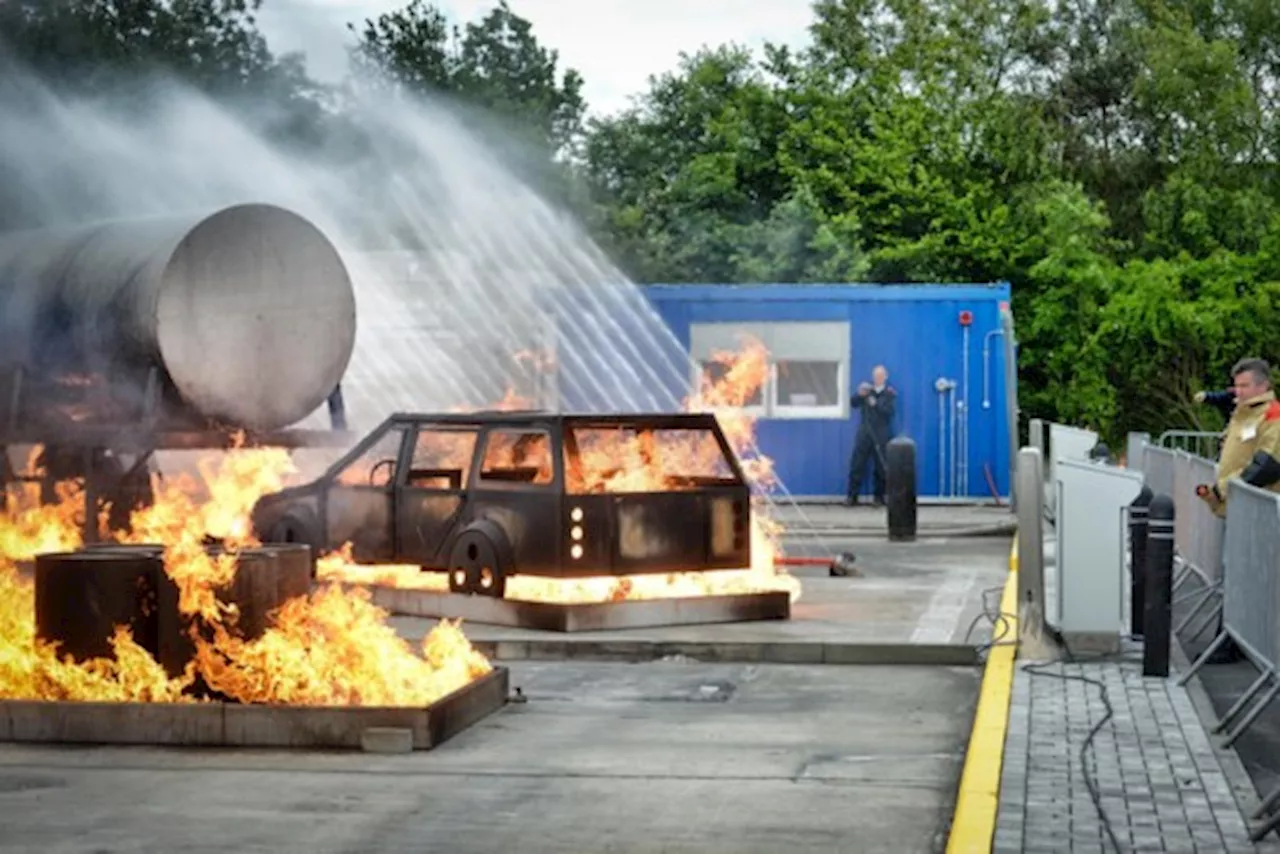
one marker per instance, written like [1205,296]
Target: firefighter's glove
[1208,493]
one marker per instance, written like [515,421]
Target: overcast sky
[615,44]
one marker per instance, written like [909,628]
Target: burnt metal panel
[672,532]
[361,515]
[425,520]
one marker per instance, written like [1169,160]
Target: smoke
[468,283]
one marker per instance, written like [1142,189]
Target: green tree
[687,177]
[497,65]
[87,44]
[106,48]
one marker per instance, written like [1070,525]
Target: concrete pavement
[656,757]
[926,593]
[666,755]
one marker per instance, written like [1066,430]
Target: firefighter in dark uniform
[877,401]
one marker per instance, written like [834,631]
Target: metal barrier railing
[1183,493]
[1157,468]
[1206,531]
[1202,443]
[1250,603]
[1228,569]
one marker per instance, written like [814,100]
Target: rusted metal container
[82,596]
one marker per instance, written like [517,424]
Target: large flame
[30,528]
[330,647]
[618,461]
[32,669]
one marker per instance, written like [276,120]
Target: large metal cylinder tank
[248,311]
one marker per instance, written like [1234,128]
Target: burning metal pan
[237,725]
[585,616]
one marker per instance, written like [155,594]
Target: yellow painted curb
[973,825]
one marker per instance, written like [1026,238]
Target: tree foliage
[1115,160]
[496,64]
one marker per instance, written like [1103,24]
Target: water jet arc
[248,311]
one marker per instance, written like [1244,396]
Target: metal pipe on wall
[953,404]
[1011,396]
[986,366]
[941,386]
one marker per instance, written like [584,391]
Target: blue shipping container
[944,349]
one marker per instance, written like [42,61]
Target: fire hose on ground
[839,566]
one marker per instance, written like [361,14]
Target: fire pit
[222,724]
[118,604]
[160,636]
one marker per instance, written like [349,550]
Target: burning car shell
[487,496]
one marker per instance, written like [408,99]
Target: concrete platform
[658,757]
[812,519]
[583,616]
[915,603]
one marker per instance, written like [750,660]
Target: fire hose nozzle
[843,565]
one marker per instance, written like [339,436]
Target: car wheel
[297,527]
[478,563]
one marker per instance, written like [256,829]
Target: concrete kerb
[853,532]
[973,823]
[763,652]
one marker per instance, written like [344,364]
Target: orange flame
[32,669]
[329,647]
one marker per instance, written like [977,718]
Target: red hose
[991,484]
[804,561]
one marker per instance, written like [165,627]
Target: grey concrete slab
[658,757]
[926,592]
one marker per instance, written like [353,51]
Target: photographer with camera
[877,401]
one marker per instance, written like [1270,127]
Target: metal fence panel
[1253,558]
[1157,469]
[1183,494]
[1205,530]
[1134,450]
[1204,443]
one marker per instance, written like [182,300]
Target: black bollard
[1157,623]
[900,489]
[1138,558]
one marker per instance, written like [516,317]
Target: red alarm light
[966,318]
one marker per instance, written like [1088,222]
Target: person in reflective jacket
[1251,449]
[876,400]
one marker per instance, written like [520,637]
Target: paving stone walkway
[1160,783]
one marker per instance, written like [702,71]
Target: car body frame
[489,495]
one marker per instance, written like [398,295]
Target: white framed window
[808,388]
[808,374]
